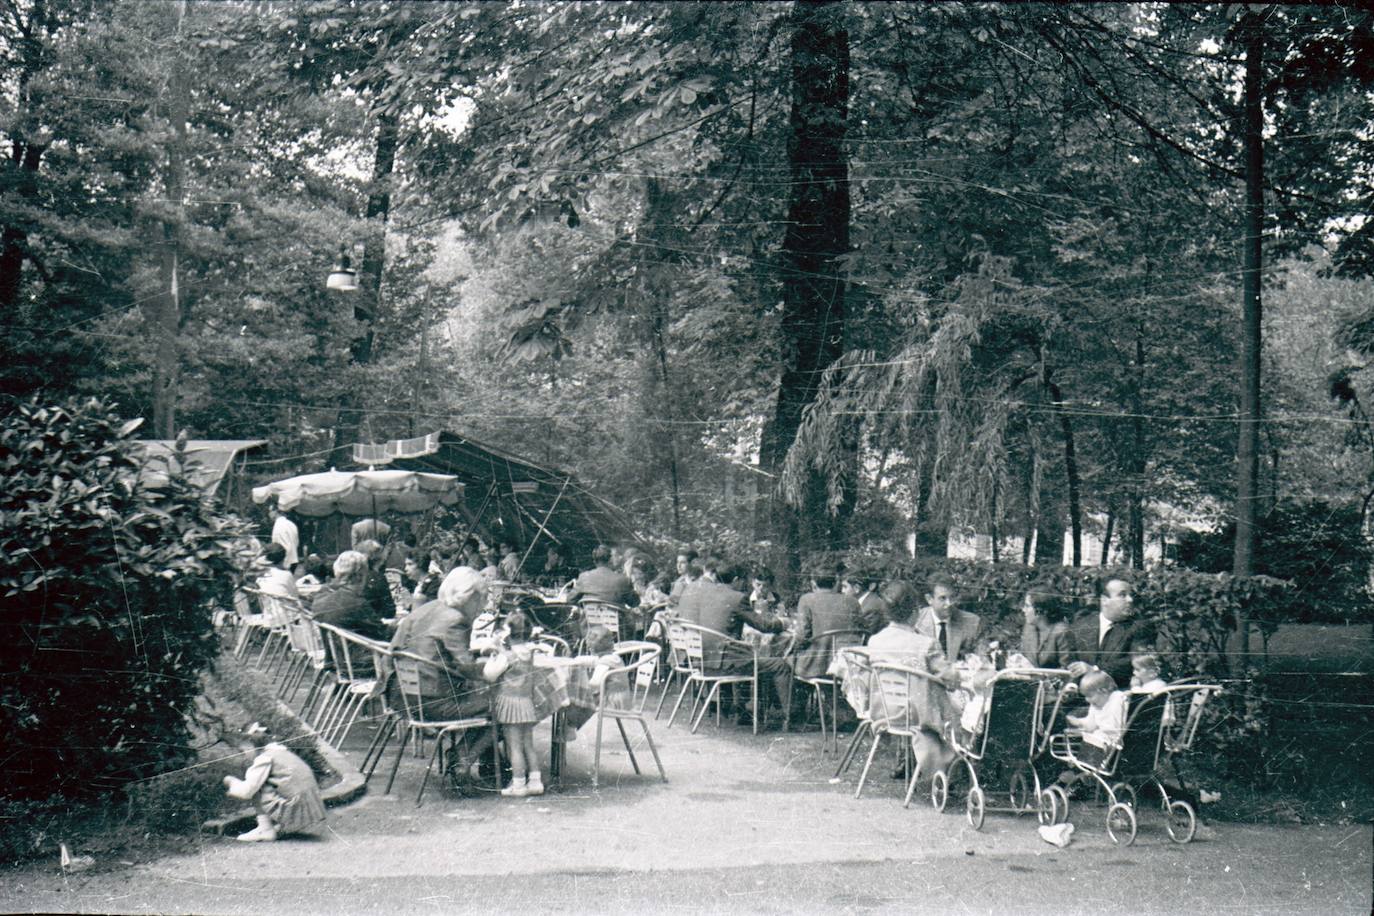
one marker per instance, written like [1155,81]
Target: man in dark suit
[604,584]
[820,611]
[956,631]
[717,601]
[1106,638]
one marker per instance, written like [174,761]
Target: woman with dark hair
[1046,638]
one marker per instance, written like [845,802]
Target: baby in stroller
[1102,726]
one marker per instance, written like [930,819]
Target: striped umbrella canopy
[364,493]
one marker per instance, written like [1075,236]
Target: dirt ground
[746,824]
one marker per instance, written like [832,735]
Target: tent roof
[212,458]
[524,494]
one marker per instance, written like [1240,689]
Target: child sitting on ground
[1103,725]
[512,670]
[281,786]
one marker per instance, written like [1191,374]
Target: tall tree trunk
[817,237]
[369,292]
[168,305]
[1247,448]
[1070,472]
[1135,495]
[656,295]
[26,154]
[1107,537]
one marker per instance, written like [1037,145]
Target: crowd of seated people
[390,590]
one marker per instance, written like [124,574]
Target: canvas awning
[509,497]
[208,460]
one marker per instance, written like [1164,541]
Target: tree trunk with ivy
[817,238]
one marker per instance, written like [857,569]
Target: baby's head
[519,627]
[1145,666]
[599,640]
[1097,687]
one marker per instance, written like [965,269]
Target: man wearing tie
[1111,632]
[955,631]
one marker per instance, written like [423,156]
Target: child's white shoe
[265,832]
[516,789]
[535,786]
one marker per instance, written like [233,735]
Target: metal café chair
[414,722]
[892,712]
[678,665]
[830,641]
[627,703]
[354,687]
[707,683]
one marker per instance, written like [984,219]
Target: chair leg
[377,748]
[872,752]
[406,732]
[676,706]
[713,694]
[424,781]
[835,716]
[754,692]
[648,736]
[596,754]
[915,773]
[629,750]
[662,698]
[848,758]
[820,714]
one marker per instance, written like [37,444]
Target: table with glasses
[561,686]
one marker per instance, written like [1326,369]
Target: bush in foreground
[107,585]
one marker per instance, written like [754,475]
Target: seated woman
[899,643]
[1046,639]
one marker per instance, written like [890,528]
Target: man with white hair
[440,632]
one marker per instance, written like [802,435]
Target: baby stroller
[1146,754]
[1002,753]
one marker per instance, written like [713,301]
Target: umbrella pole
[543,529]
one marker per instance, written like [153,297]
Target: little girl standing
[512,670]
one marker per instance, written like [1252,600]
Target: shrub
[1318,547]
[107,585]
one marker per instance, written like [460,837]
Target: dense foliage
[107,589]
[584,233]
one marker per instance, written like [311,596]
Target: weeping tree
[963,396]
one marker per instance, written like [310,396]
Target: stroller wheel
[939,790]
[1182,821]
[1062,809]
[1124,792]
[1121,824]
[1047,811]
[974,807]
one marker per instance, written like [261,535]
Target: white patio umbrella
[364,493]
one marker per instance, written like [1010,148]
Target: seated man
[602,583]
[723,606]
[1105,638]
[956,631]
[509,567]
[688,571]
[820,611]
[440,632]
